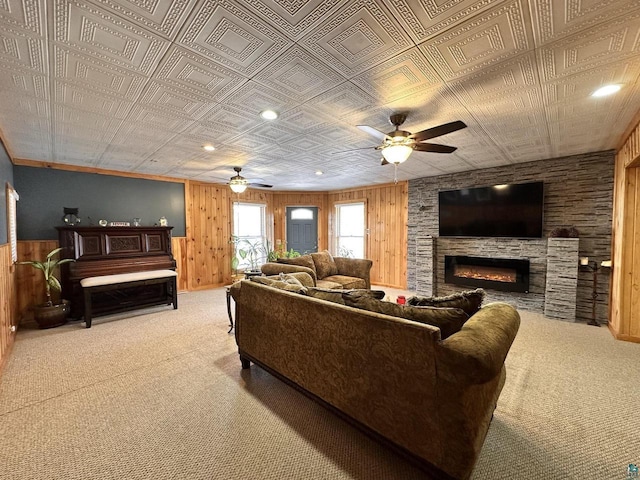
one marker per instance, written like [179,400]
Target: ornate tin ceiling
[141,85]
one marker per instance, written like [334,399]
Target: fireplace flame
[494,274]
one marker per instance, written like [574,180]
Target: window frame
[336,227]
[12,197]
[264,237]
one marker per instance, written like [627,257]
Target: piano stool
[121,281]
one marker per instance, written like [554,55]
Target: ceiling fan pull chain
[395,174]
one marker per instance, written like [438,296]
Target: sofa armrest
[476,353]
[355,267]
[273,268]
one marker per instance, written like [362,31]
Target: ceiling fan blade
[260,185]
[384,161]
[352,150]
[440,130]
[373,132]
[434,147]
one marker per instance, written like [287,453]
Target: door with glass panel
[302,229]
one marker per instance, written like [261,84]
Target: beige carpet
[160,395]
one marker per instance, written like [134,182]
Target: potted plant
[253,252]
[50,314]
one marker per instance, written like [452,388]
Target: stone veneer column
[425,265]
[562,279]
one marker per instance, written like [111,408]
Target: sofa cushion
[279,284]
[302,261]
[325,266]
[335,295]
[470,301]
[448,320]
[297,278]
[347,282]
[328,284]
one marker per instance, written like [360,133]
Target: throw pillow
[301,261]
[325,265]
[279,284]
[470,301]
[290,279]
[335,295]
[448,320]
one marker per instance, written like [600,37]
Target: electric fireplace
[506,274]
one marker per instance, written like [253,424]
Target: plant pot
[49,316]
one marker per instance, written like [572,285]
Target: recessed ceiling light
[319,172]
[606,90]
[269,114]
[208,147]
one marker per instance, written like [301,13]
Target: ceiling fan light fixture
[396,153]
[238,184]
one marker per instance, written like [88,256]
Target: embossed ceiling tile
[446,163]
[304,118]
[18,83]
[294,17]
[186,70]
[174,101]
[93,31]
[498,80]
[201,133]
[78,151]
[298,75]
[491,37]
[162,16]
[405,74]
[230,35]
[83,99]
[149,118]
[78,123]
[25,14]
[89,72]
[579,87]
[253,98]
[25,109]
[24,50]
[426,18]
[343,102]
[554,19]
[231,119]
[358,36]
[617,41]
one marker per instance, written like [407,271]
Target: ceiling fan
[239,184]
[397,145]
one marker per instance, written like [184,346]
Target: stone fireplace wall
[578,192]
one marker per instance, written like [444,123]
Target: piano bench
[106,283]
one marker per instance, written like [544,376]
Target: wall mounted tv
[513,210]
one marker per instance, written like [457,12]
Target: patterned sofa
[398,380]
[327,271]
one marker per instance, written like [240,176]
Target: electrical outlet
[12,328]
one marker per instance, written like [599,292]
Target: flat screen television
[513,210]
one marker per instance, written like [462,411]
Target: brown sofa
[428,398]
[327,271]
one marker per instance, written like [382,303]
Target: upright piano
[110,250]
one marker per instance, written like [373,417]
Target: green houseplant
[253,252]
[50,314]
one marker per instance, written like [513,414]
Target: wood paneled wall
[624,310]
[8,310]
[282,200]
[387,211]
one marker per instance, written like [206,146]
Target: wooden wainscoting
[179,251]
[624,305]
[8,317]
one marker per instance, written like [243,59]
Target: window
[249,229]
[12,230]
[350,230]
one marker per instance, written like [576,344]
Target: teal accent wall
[6,176]
[44,192]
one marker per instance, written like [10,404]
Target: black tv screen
[513,210]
